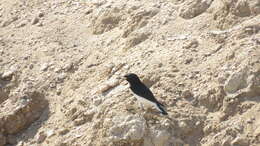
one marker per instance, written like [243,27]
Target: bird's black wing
[142,91]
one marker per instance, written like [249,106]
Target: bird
[143,93]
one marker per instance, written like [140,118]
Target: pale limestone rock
[79,121]
[184,127]
[257,131]
[9,73]
[193,8]
[128,128]
[50,133]
[161,137]
[97,100]
[44,66]
[243,8]
[18,115]
[241,141]
[236,81]
[108,85]
[135,39]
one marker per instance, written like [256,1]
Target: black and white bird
[143,93]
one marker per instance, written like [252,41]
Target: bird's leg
[141,105]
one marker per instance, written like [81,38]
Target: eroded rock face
[132,128]
[241,101]
[236,81]
[193,8]
[139,19]
[243,80]
[19,112]
[244,8]
[106,21]
[131,14]
[135,39]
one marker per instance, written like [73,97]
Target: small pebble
[41,137]
[50,133]
[35,20]
[44,67]
[79,121]
[187,94]
[64,131]
[40,14]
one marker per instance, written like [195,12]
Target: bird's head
[132,78]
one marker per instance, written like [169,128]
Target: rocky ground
[61,62]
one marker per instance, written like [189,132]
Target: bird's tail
[161,108]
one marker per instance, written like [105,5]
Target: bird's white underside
[145,102]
